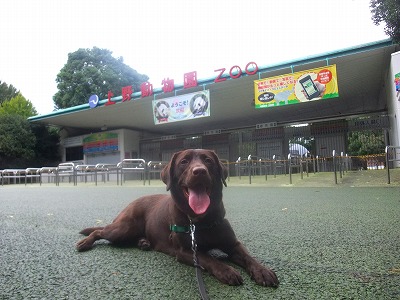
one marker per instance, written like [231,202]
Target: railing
[278,163]
[105,170]
[294,164]
[392,156]
[15,174]
[74,172]
[32,173]
[65,170]
[155,168]
[133,166]
[20,175]
[255,165]
[84,171]
[49,173]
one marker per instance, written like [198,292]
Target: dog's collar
[186,229]
[179,229]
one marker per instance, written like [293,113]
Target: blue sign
[93,101]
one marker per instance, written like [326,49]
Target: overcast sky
[169,38]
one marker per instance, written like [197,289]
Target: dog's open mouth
[199,198]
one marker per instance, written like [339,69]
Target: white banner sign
[182,108]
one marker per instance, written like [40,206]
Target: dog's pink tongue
[199,201]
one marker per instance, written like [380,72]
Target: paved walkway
[325,242]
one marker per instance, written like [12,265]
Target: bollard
[249,166]
[341,165]
[301,167]
[387,163]
[314,165]
[290,168]
[334,165]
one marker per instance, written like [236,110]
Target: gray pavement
[325,242]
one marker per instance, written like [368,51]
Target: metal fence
[338,164]
[138,169]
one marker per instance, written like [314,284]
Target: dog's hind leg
[89,230]
[119,233]
[87,243]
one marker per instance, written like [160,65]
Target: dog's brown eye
[208,160]
[184,161]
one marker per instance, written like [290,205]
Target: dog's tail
[89,230]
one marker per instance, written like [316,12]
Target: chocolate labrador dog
[162,222]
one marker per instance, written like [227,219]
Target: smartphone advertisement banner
[304,86]
[182,108]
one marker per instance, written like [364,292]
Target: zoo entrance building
[252,110]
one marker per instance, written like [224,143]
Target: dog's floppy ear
[168,172]
[222,169]
[224,172]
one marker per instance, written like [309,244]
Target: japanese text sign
[182,108]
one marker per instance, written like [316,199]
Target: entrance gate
[319,138]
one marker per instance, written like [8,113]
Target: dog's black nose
[199,171]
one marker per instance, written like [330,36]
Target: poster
[100,142]
[293,88]
[182,108]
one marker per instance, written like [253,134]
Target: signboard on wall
[100,142]
[182,108]
[293,88]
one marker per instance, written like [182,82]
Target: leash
[200,281]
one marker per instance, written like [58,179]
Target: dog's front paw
[228,275]
[144,244]
[264,276]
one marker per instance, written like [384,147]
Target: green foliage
[17,141]
[93,71]
[366,142]
[47,145]
[7,92]
[18,105]
[387,11]
[23,144]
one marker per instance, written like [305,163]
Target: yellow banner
[304,86]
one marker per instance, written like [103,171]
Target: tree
[47,152]
[23,144]
[387,11]
[18,105]
[7,92]
[366,142]
[17,141]
[93,71]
